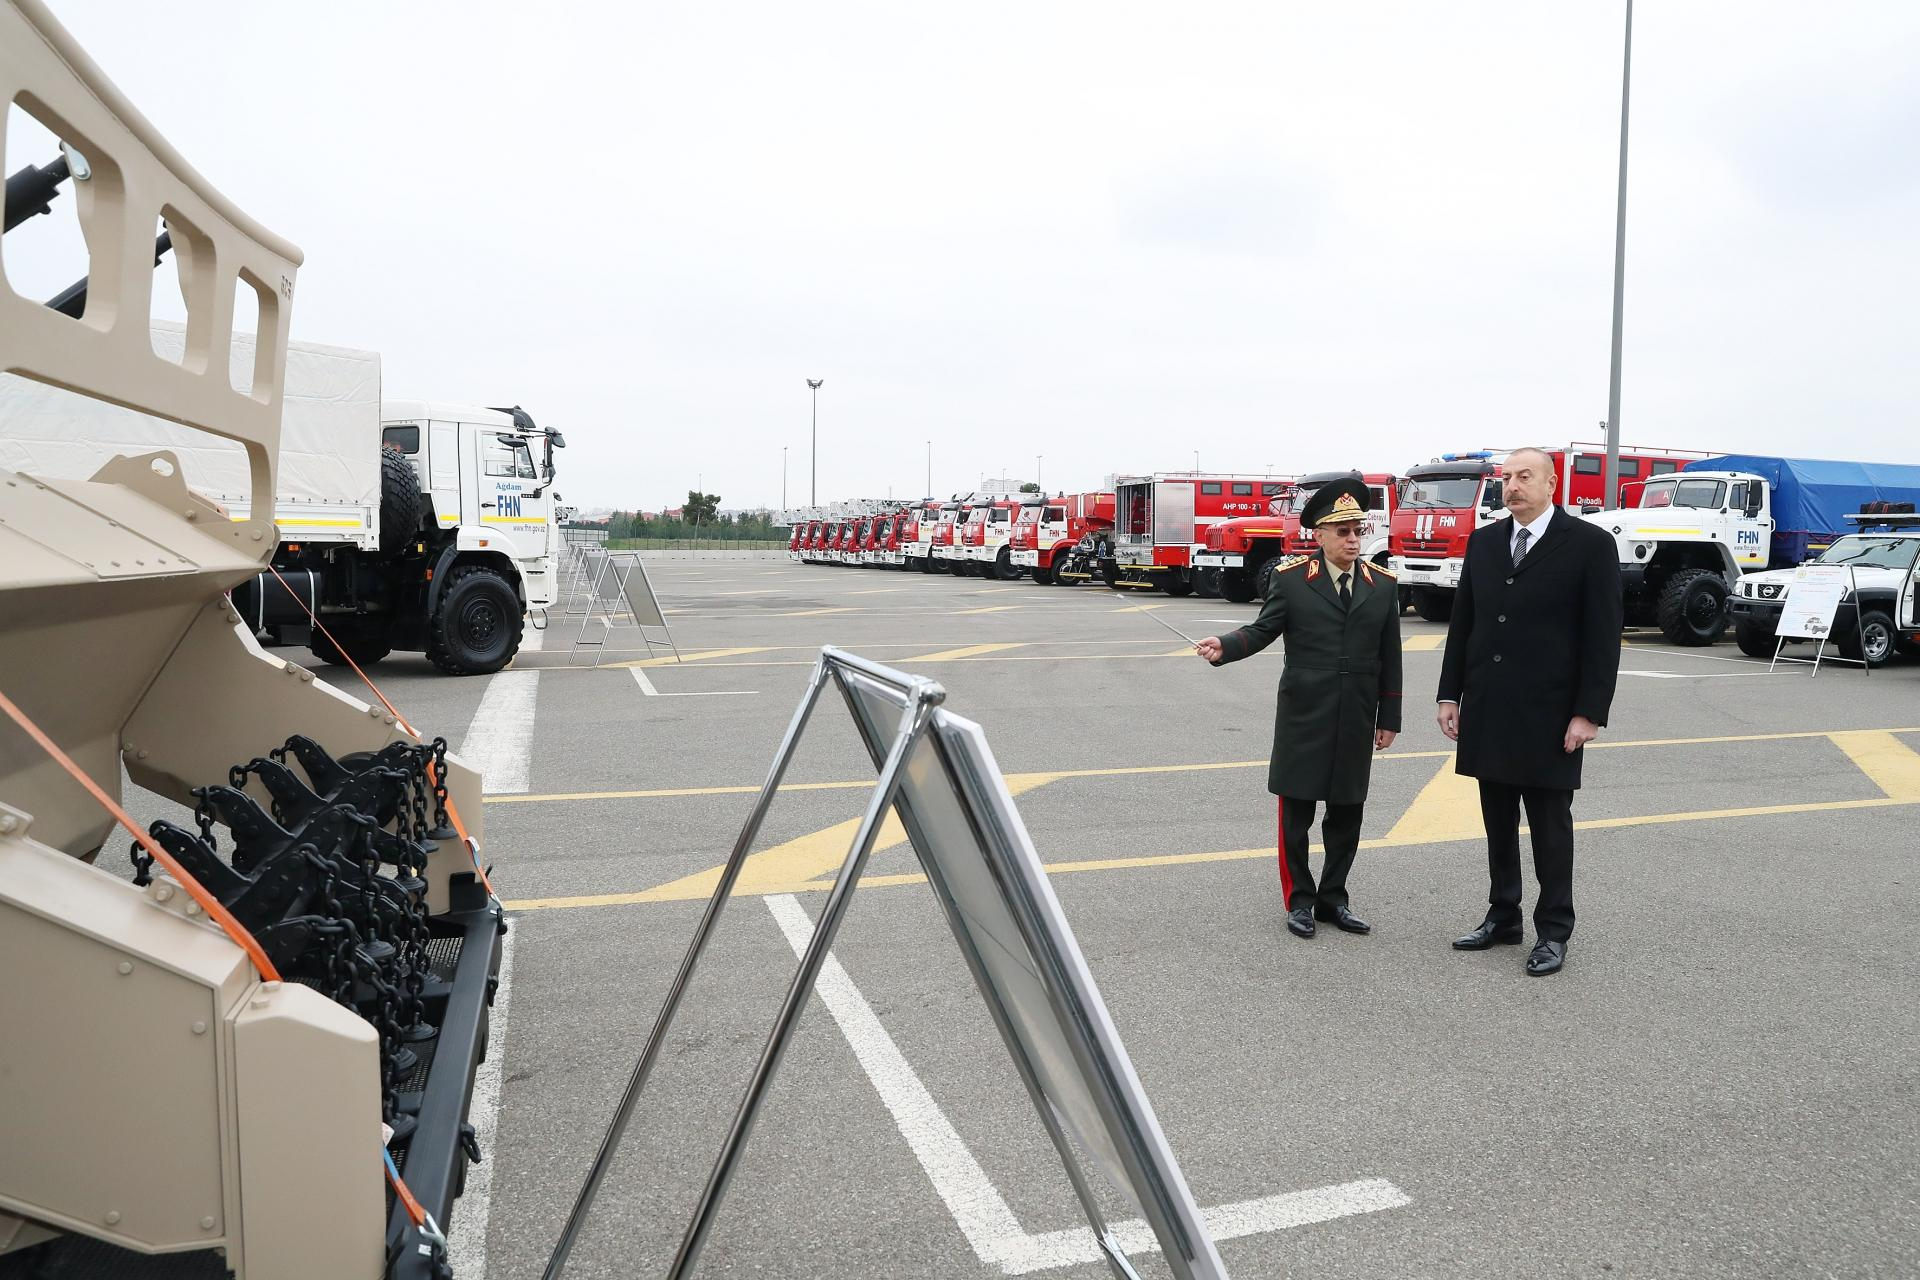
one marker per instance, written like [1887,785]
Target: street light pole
[783,479]
[1037,458]
[813,484]
[1611,496]
[929,468]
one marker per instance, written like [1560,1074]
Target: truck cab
[1242,553]
[916,536]
[987,537]
[946,553]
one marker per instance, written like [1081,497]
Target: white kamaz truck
[402,524]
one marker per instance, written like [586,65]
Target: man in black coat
[1339,696]
[1533,653]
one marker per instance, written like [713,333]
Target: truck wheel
[1236,585]
[399,502]
[1871,643]
[1692,610]
[365,643]
[1043,575]
[1433,604]
[475,631]
[1406,599]
[1177,584]
[1207,583]
[1754,640]
[1003,566]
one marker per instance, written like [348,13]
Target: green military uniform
[1341,683]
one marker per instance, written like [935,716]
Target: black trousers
[1550,820]
[1341,834]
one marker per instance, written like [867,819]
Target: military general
[1339,699]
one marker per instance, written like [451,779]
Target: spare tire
[400,502]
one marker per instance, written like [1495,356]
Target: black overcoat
[1341,680]
[1529,647]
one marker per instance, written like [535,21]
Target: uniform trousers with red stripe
[1340,832]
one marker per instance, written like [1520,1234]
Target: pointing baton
[1169,626]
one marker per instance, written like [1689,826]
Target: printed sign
[1814,599]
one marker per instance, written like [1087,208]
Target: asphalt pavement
[1723,1082]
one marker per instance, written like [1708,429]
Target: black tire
[1692,610]
[1177,584]
[475,629]
[1433,604]
[1754,640]
[1206,583]
[363,641]
[1042,576]
[1004,567]
[1406,599]
[400,502]
[1871,641]
[1263,574]
[1236,585]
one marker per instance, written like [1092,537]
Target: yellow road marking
[1130,770]
[1893,766]
[697,655]
[970,651]
[1139,608]
[814,613]
[1181,859]
[1423,644]
[992,608]
[1447,808]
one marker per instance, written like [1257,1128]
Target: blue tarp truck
[1697,530]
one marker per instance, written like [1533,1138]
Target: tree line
[700,517]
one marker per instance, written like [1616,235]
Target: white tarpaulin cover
[329,438]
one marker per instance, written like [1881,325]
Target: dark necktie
[1520,542]
[1346,591]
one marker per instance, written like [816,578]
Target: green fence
[696,544]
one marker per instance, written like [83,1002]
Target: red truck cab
[1046,531]
[1244,551]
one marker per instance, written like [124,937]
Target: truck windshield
[1684,493]
[1872,553]
[1442,491]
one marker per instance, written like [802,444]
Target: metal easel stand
[595,599]
[924,696]
[1820,647]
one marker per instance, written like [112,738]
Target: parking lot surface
[1722,1082]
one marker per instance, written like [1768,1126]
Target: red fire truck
[985,535]
[1160,520]
[795,538]
[947,555]
[916,535]
[1241,553]
[1047,531]
[1445,500]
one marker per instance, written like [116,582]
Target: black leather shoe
[1487,934]
[1342,919]
[1547,958]
[1300,922]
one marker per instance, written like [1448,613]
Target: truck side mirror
[1755,495]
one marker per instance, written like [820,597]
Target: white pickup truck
[1876,618]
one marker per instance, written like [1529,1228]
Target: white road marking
[467,1225]
[978,1208]
[499,742]
[532,640]
[646,687]
[1685,675]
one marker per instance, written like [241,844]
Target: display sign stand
[938,775]
[620,594]
[1813,603]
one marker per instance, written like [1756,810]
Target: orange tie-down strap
[473,850]
[208,903]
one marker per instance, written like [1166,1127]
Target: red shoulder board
[1313,570]
[1366,571]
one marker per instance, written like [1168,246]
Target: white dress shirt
[1534,532]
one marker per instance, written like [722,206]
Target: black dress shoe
[1487,934]
[1342,919]
[1547,958]
[1300,922]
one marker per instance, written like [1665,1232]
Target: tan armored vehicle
[199,1069]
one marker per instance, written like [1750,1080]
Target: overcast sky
[1283,235]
